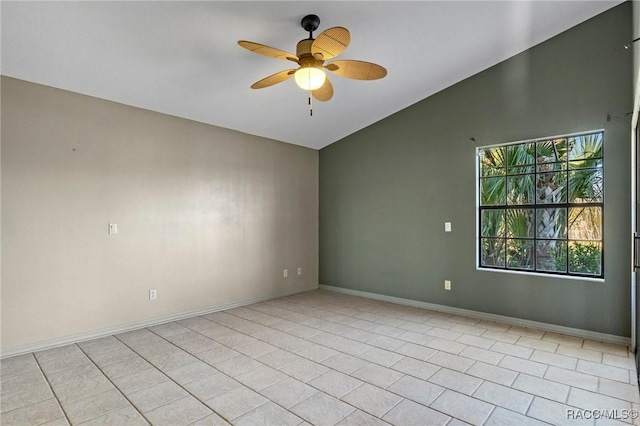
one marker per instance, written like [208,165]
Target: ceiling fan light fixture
[310,78]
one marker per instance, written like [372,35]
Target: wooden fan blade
[357,70]
[272,52]
[331,42]
[276,78]
[325,92]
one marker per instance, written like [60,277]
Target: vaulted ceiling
[182,58]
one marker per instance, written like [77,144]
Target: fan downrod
[310,23]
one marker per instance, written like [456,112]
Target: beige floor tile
[572,378]
[360,418]
[561,361]
[536,343]
[381,357]
[278,358]
[237,365]
[580,353]
[456,381]
[304,370]
[94,406]
[156,396]
[34,414]
[541,387]
[468,329]
[388,343]
[260,377]
[18,365]
[503,396]
[463,407]
[492,373]
[350,347]
[335,383]
[377,375]
[106,358]
[102,344]
[126,367]
[268,414]
[512,350]
[344,363]
[416,351]
[71,375]
[83,388]
[388,329]
[588,400]
[288,392]
[211,386]
[563,339]
[619,361]
[191,372]
[55,365]
[554,413]
[478,342]
[18,382]
[317,353]
[619,390]
[453,362]
[413,367]
[415,327]
[256,349]
[218,354]
[410,413]
[525,331]
[236,402]
[60,421]
[168,329]
[211,420]
[442,333]
[127,416]
[500,336]
[482,355]
[413,337]
[178,413]
[602,370]
[446,345]
[502,417]
[141,380]
[359,335]
[173,361]
[23,397]
[416,390]
[59,352]
[524,366]
[610,348]
[322,410]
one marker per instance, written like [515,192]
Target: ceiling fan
[310,56]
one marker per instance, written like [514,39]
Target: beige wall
[206,216]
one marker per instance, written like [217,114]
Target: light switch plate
[447,227]
[113,228]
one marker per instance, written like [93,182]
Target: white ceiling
[181,58]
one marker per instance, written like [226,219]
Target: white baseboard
[76,338]
[586,334]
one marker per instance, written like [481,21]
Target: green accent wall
[387,190]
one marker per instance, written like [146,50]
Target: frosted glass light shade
[310,78]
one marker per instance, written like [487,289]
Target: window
[541,205]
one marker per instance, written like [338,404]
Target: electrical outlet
[299,271]
[447,227]
[153,294]
[285,273]
[113,228]
[447,285]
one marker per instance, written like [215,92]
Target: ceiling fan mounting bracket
[310,23]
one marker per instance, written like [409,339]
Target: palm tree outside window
[541,205]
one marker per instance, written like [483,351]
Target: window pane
[521,154]
[520,254]
[550,188]
[585,186]
[585,147]
[492,223]
[551,223]
[593,163]
[520,223]
[585,223]
[520,189]
[551,151]
[492,191]
[492,161]
[492,252]
[551,255]
[585,257]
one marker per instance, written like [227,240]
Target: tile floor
[325,359]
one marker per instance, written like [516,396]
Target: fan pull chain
[310,105]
